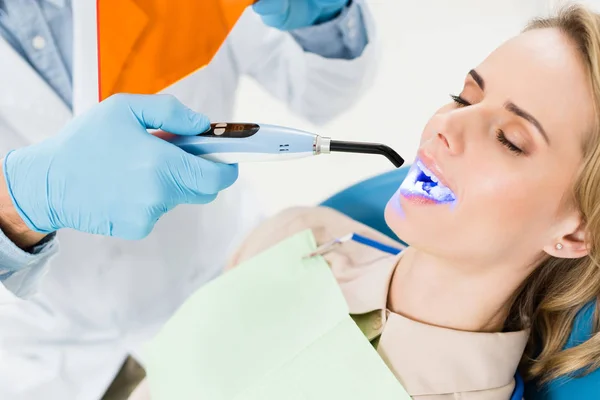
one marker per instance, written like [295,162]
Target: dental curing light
[233,143]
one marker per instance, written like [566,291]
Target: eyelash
[460,101]
[500,136]
[507,143]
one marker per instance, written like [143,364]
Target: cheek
[509,205]
[489,209]
[493,190]
[497,194]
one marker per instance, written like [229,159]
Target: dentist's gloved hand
[105,174]
[294,14]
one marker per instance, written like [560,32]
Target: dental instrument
[355,237]
[232,143]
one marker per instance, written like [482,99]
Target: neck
[436,292]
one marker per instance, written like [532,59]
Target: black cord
[367,148]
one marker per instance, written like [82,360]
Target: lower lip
[416,199]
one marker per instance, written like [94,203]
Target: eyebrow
[477,78]
[513,108]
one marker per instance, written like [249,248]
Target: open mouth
[423,183]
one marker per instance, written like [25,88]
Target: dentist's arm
[102,174]
[23,252]
[12,225]
[332,29]
[319,56]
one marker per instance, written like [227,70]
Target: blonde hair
[559,289]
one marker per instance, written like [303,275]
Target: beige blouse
[429,361]
[432,363]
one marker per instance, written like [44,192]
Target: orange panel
[146,45]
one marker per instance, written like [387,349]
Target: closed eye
[507,143]
[500,136]
[460,101]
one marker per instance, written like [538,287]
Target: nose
[450,136]
[444,140]
[458,127]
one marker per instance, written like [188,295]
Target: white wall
[428,46]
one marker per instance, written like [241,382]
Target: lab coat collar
[27,102]
[465,361]
[86,80]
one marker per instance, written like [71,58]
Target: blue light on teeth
[423,183]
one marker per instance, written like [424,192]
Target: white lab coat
[103,297]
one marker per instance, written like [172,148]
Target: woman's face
[492,181]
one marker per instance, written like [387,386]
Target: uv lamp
[234,143]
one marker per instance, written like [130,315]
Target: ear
[573,242]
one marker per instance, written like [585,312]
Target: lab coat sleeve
[20,271]
[344,37]
[314,86]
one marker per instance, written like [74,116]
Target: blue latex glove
[105,174]
[294,14]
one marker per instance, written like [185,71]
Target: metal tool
[330,246]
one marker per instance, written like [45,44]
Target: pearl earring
[559,246]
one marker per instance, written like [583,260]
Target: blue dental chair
[366,201]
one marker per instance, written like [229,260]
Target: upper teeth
[437,191]
[427,172]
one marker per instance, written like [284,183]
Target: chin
[396,220]
[414,224]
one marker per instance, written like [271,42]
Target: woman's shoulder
[325,223]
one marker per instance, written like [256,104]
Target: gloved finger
[167,113]
[201,177]
[205,199]
[270,7]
